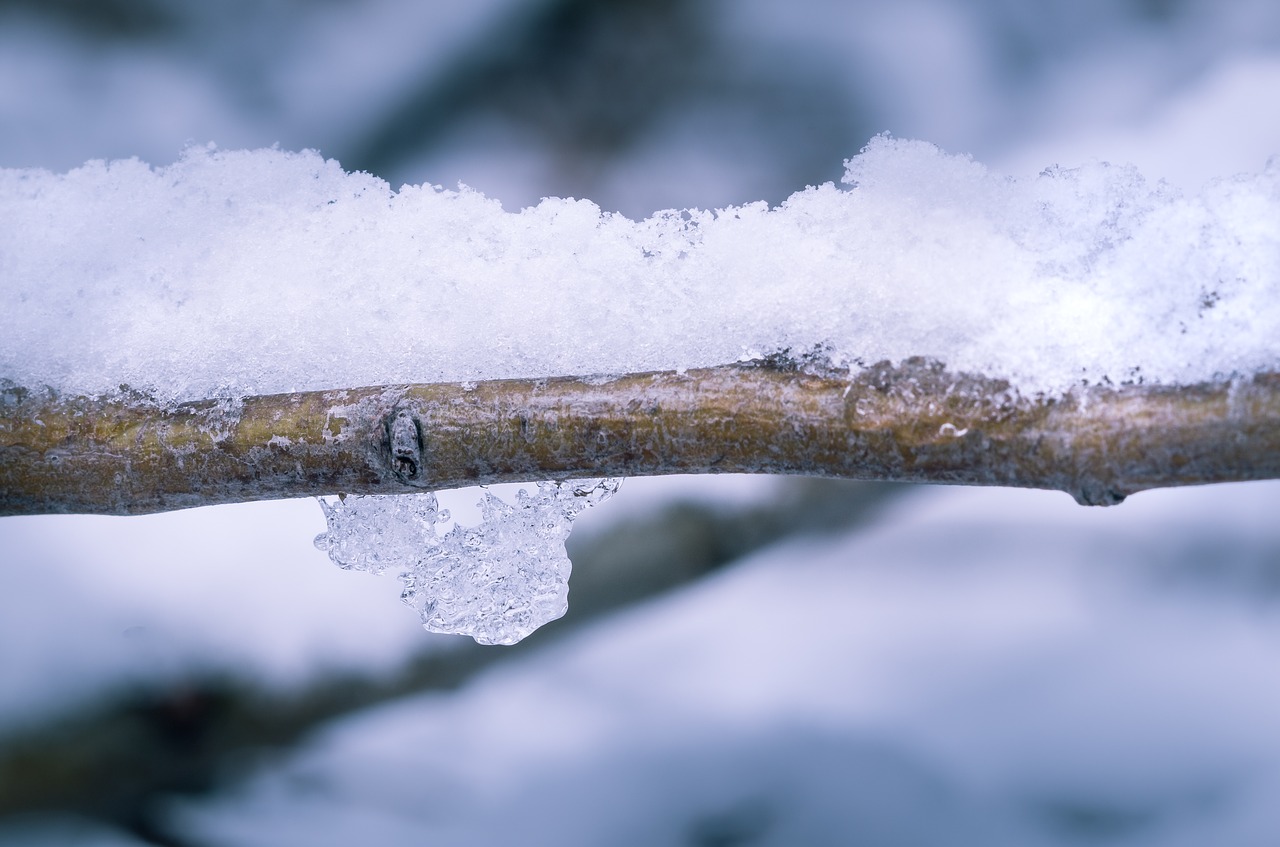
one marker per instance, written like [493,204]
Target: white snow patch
[253,272]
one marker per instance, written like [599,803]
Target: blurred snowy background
[745,661]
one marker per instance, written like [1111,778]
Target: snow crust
[234,272]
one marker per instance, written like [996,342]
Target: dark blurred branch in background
[104,19]
[580,86]
[588,81]
[118,760]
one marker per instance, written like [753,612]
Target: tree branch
[912,422]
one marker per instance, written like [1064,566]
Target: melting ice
[496,582]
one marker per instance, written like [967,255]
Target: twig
[911,422]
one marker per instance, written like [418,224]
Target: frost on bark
[914,422]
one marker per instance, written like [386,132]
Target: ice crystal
[497,581]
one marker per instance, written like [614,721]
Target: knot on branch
[404,443]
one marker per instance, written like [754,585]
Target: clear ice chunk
[497,581]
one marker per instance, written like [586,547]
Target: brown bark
[912,422]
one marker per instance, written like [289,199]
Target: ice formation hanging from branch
[496,582]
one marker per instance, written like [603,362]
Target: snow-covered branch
[1101,333]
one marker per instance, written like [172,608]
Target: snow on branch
[1101,335]
[232,273]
